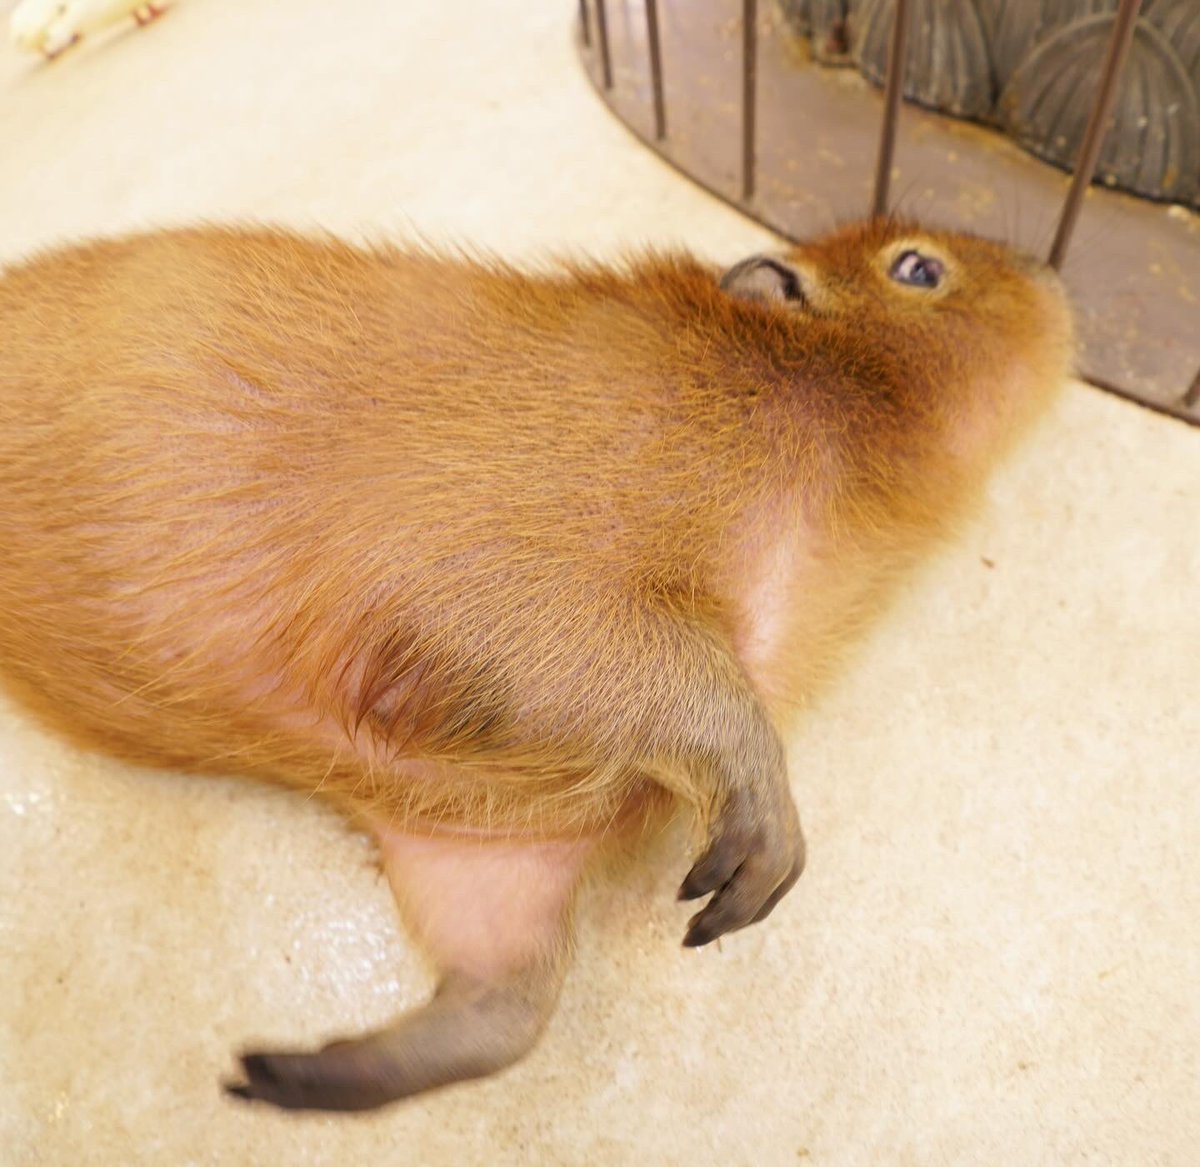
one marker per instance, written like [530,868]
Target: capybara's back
[292,509]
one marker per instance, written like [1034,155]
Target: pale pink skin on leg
[494,916]
[483,907]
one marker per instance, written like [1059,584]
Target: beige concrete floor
[995,954]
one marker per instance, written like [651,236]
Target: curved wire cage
[725,91]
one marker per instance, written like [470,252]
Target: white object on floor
[50,26]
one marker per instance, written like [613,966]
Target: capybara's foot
[466,1031]
[754,856]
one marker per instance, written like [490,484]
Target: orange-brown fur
[415,530]
[493,560]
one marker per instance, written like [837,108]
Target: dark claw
[698,934]
[337,1077]
[263,1084]
[704,879]
[719,865]
[295,1082]
[727,911]
[742,869]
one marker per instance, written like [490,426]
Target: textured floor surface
[995,954]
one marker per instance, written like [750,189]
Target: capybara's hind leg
[495,919]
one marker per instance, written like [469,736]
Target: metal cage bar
[749,95]
[1097,127]
[594,35]
[602,37]
[897,57]
[656,77]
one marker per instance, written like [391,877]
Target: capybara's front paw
[754,856]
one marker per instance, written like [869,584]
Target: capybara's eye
[917,270]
